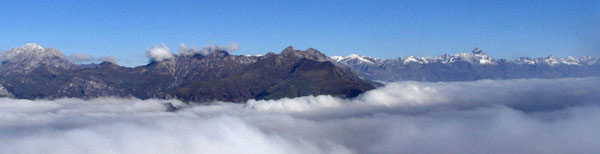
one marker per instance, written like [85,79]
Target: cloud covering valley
[486,116]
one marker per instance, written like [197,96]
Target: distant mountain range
[32,72]
[469,66]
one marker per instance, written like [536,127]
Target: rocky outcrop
[4,92]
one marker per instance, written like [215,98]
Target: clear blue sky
[386,29]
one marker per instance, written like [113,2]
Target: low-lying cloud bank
[510,116]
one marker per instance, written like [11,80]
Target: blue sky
[386,29]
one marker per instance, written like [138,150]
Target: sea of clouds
[486,116]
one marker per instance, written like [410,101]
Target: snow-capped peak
[413,59]
[355,59]
[30,50]
[477,56]
[551,60]
[337,58]
[32,46]
[30,56]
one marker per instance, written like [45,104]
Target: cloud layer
[510,116]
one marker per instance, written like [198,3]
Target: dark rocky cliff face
[194,77]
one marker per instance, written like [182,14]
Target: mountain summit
[32,50]
[310,53]
[31,56]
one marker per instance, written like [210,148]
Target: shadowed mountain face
[32,72]
[468,67]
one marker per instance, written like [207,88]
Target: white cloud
[510,116]
[159,53]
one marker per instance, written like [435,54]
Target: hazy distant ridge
[469,66]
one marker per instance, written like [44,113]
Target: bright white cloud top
[510,116]
[159,53]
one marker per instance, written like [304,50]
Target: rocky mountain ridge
[33,72]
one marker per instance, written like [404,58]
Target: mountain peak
[289,49]
[310,53]
[33,50]
[30,56]
[32,46]
[478,51]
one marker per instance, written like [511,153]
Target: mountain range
[475,65]
[34,72]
